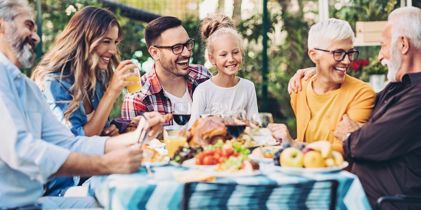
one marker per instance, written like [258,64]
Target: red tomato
[208,160]
[208,152]
[229,152]
[199,161]
[221,160]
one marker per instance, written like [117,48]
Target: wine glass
[181,112]
[235,123]
[262,119]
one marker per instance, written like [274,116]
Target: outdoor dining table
[161,191]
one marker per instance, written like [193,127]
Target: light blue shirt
[34,144]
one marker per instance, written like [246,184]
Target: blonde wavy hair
[73,54]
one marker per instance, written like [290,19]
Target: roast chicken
[207,131]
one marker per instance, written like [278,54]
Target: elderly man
[386,151]
[35,146]
[172,79]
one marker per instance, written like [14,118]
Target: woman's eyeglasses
[339,55]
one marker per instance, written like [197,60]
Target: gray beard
[394,64]
[22,49]
[26,57]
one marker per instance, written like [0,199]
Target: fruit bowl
[300,171]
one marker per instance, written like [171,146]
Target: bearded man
[386,151]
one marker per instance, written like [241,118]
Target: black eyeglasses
[339,55]
[178,48]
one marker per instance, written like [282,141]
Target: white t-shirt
[208,98]
[184,99]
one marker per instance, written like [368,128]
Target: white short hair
[406,21]
[324,32]
[9,8]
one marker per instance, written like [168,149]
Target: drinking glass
[235,122]
[173,140]
[262,119]
[134,78]
[181,112]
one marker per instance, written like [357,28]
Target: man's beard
[23,48]
[169,66]
[394,64]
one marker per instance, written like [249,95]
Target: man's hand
[126,160]
[155,121]
[294,84]
[280,132]
[345,126]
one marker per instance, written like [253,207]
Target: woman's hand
[344,127]
[294,84]
[119,79]
[111,131]
[280,132]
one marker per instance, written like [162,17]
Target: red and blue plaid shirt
[152,97]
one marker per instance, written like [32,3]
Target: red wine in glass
[181,119]
[235,130]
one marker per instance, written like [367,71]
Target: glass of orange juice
[173,140]
[134,78]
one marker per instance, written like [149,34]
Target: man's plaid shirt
[152,97]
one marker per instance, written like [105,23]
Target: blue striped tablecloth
[161,191]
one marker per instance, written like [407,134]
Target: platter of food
[314,158]
[154,157]
[227,159]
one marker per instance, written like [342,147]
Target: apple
[324,147]
[337,157]
[292,157]
[329,162]
[314,159]
[307,149]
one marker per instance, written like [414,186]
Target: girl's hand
[119,79]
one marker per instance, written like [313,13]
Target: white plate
[299,171]
[191,163]
[257,154]
[211,169]
[157,164]
[235,174]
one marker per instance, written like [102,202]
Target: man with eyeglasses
[330,93]
[172,79]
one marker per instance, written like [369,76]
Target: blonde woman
[76,75]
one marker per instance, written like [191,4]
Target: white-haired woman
[330,94]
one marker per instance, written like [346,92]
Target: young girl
[76,75]
[224,93]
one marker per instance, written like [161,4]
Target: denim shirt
[57,93]
[34,144]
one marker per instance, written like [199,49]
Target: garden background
[289,22]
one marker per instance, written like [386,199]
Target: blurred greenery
[287,40]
